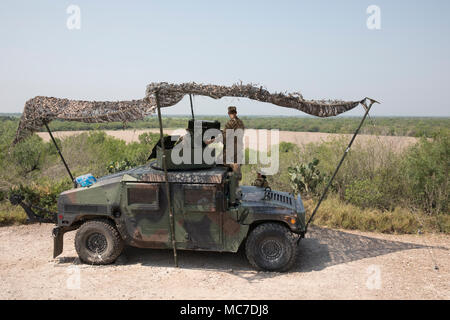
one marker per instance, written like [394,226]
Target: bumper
[301,215]
[58,239]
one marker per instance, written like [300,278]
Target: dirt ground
[299,138]
[332,264]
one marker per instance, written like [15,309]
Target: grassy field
[387,184]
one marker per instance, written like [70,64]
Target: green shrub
[287,147]
[138,152]
[427,167]
[370,176]
[10,214]
[442,223]
[44,194]
[29,154]
[365,194]
[149,139]
[117,166]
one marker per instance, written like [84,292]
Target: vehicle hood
[131,172]
[257,197]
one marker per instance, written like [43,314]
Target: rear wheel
[98,242]
[271,247]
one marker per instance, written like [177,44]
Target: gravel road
[332,265]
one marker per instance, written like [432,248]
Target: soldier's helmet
[232,110]
[262,173]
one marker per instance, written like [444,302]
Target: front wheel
[98,242]
[271,247]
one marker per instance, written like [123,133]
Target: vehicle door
[198,211]
[145,207]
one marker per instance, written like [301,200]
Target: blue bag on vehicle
[85,180]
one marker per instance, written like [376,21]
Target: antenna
[169,202]
[60,154]
[192,106]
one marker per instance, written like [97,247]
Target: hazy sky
[322,49]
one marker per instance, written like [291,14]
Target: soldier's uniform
[234,124]
[260,182]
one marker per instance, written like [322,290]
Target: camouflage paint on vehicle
[210,211]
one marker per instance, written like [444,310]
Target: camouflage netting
[170,94]
[41,110]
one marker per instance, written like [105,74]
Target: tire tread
[109,227]
[270,226]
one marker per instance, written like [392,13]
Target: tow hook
[17,199]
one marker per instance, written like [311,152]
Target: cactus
[305,178]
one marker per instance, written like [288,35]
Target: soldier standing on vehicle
[261,180]
[233,124]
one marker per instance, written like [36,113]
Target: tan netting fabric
[170,94]
[40,110]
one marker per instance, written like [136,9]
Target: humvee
[211,213]
[161,205]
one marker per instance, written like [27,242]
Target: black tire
[271,247]
[98,242]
